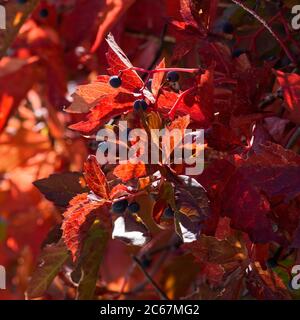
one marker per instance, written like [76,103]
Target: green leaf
[90,260]
[51,260]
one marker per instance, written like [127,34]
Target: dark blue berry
[140,105]
[44,13]
[22,1]
[134,207]
[237,52]
[173,76]
[227,27]
[120,206]
[168,213]
[146,262]
[115,81]
[272,263]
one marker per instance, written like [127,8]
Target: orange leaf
[113,10]
[95,178]
[290,84]
[129,171]
[118,61]
[75,221]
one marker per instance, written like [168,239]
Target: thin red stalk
[268,27]
[188,70]
[180,97]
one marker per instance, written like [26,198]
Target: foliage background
[51,47]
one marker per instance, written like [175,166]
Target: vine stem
[188,70]
[180,97]
[162,295]
[293,139]
[268,27]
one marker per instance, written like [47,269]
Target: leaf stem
[180,97]
[187,70]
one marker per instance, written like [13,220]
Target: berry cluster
[121,206]
[141,104]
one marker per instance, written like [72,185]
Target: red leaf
[188,14]
[14,70]
[130,171]
[109,106]
[88,96]
[118,191]
[118,61]
[75,224]
[290,84]
[273,173]
[266,284]
[109,17]
[95,178]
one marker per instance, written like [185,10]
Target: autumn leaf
[118,61]
[87,96]
[92,254]
[51,260]
[266,284]
[271,173]
[290,84]
[95,178]
[129,171]
[12,70]
[212,250]
[61,188]
[77,220]
[176,287]
[108,106]
[110,15]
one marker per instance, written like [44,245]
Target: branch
[162,295]
[268,27]
[294,138]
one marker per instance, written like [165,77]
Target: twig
[160,49]
[293,140]
[162,295]
[268,27]
[180,97]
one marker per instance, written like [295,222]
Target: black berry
[22,1]
[134,207]
[146,262]
[168,213]
[173,76]
[44,13]
[115,81]
[227,27]
[120,206]
[272,263]
[237,52]
[140,105]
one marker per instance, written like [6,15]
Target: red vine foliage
[230,68]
